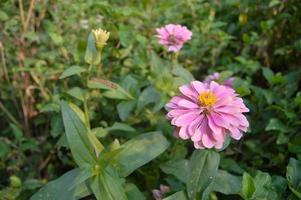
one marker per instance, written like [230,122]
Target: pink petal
[188,91]
[218,145]
[217,132]
[235,133]
[197,136]
[192,128]
[185,119]
[207,140]
[219,120]
[198,86]
[187,104]
[174,48]
[198,145]
[184,133]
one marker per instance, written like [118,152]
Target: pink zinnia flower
[173,36]
[206,113]
[215,76]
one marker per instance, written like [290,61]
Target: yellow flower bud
[243,18]
[101,37]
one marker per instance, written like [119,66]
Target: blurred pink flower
[173,36]
[212,77]
[215,76]
[206,113]
[158,194]
[164,188]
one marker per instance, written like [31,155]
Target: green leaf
[183,73]
[77,136]
[231,165]
[99,132]
[226,183]
[125,35]
[264,189]
[18,133]
[177,196]
[92,56]
[130,84]
[83,175]
[56,38]
[293,176]
[97,83]
[133,193]
[241,87]
[178,168]
[268,74]
[57,126]
[3,16]
[122,130]
[248,187]
[148,96]
[73,70]
[117,126]
[59,189]
[139,151]
[114,91]
[125,108]
[202,171]
[77,93]
[276,124]
[118,93]
[98,147]
[274,3]
[108,186]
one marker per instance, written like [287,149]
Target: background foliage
[258,42]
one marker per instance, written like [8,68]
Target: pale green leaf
[177,196]
[248,186]
[59,189]
[293,176]
[202,171]
[77,93]
[178,168]
[77,136]
[73,70]
[139,151]
[92,56]
[133,193]
[108,186]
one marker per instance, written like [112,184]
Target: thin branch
[31,6]
[9,115]
[3,61]
[21,10]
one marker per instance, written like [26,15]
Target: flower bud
[101,37]
[164,189]
[157,194]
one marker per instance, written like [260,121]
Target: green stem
[174,60]
[86,110]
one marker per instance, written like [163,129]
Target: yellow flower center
[207,99]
